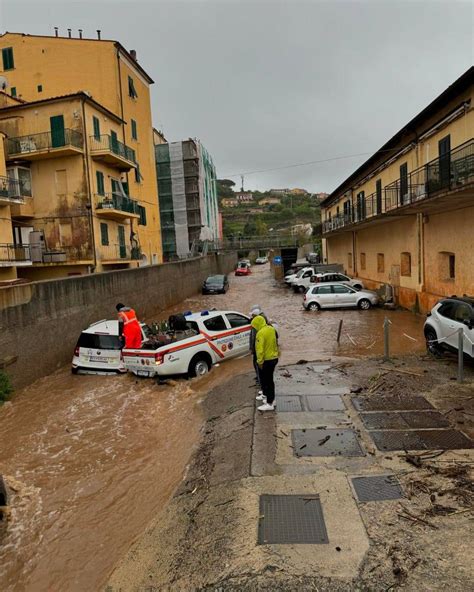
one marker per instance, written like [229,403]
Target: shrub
[6,388]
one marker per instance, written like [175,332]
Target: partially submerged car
[242,269]
[444,321]
[261,260]
[215,284]
[338,296]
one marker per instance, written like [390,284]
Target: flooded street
[95,458]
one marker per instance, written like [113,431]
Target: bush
[6,388]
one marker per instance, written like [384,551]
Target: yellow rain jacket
[266,346]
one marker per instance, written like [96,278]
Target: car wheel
[75,370]
[432,345]
[199,366]
[314,306]
[301,289]
[364,304]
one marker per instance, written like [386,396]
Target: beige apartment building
[78,140]
[406,216]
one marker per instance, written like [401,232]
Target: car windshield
[215,280]
[94,341]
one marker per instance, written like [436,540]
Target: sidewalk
[314,448]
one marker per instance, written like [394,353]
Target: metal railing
[14,253]
[110,144]
[253,242]
[113,201]
[117,252]
[23,145]
[445,173]
[66,254]
[13,189]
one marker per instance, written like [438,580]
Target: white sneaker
[261,396]
[266,407]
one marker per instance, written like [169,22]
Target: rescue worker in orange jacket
[132,332]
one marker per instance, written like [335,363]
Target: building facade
[405,217]
[78,128]
[187,196]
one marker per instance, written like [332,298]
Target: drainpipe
[88,180]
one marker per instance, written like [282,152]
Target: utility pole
[242,188]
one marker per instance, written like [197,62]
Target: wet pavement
[95,458]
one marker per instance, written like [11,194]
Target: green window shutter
[104,234]
[100,183]
[142,212]
[134,129]
[7,56]
[96,124]
[131,88]
[40,88]
[138,175]
[13,91]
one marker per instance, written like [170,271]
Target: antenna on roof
[56,34]
[69,33]
[98,34]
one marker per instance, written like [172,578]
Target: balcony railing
[10,253]
[117,252]
[43,142]
[12,190]
[113,201]
[445,173]
[106,143]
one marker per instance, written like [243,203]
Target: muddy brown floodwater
[95,458]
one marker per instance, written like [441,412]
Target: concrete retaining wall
[40,322]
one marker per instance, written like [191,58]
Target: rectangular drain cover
[291,519]
[325,403]
[332,442]
[288,403]
[377,488]
[421,440]
[403,420]
[383,421]
[391,403]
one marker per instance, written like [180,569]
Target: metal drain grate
[404,420]
[288,403]
[325,403]
[421,440]
[383,421]
[377,488]
[291,519]
[332,442]
[391,403]
[425,419]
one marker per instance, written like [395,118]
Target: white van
[99,349]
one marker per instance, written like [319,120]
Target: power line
[300,164]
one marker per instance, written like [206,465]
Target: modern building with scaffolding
[187,197]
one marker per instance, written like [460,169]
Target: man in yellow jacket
[266,349]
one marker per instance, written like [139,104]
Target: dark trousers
[257,370]
[266,379]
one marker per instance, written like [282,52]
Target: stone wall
[41,321]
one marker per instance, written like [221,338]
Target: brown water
[95,458]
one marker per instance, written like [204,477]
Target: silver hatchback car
[338,296]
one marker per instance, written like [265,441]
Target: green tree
[6,388]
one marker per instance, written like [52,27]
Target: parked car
[443,322]
[261,260]
[246,261]
[338,296]
[339,278]
[99,348]
[215,284]
[305,272]
[242,269]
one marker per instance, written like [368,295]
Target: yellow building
[406,216]
[94,96]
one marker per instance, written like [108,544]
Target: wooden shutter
[134,129]
[7,57]
[96,124]
[104,233]
[100,183]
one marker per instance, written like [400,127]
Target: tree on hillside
[224,188]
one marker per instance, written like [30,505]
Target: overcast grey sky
[268,83]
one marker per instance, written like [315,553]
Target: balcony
[116,253]
[67,142]
[109,150]
[442,184]
[11,191]
[14,255]
[116,207]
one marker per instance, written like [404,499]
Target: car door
[339,277]
[324,296]
[215,331]
[344,296]
[446,322]
[461,317]
[238,341]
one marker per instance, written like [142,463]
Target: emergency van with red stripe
[216,337]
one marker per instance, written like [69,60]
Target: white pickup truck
[196,342]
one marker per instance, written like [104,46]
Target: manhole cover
[421,440]
[288,403]
[332,442]
[325,403]
[404,420]
[291,519]
[377,488]
[391,403]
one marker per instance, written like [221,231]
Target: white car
[99,348]
[261,260]
[444,321]
[335,278]
[338,296]
[206,338]
[305,272]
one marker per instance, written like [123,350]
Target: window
[23,176]
[342,290]
[134,130]
[237,320]
[13,91]
[138,175]
[349,260]
[307,274]
[447,266]
[378,192]
[131,88]
[405,267]
[452,266]
[40,88]
[462,313]
[7,56]
[380,262]
[341,278]
[61,182]
[100,183]
[403,183]
[362,260]
[322,290]
[91,341]
[104,234]
[447,309]
[215,324]
[142,212]
[96,125]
